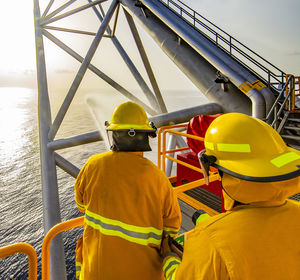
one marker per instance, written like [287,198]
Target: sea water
[21,206]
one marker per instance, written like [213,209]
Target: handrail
[179,190]
[26,249]
[268,72]
[278,97]
[63,226]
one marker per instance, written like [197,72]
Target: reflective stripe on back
[285,159]
[136,234]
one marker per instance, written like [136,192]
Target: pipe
[214,55]
[208,52]
[185,115]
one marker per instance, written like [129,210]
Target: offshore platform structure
[233,77]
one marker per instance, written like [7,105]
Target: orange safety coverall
[258,241]
[129,206]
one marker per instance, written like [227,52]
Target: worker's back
[250,242]
[128,205]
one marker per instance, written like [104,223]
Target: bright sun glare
[17,36]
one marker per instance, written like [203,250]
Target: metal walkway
[232,76]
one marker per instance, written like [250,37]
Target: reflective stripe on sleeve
[285,159]
[136,234]
[239,148]
[170,231]
[170,267]
[78,269]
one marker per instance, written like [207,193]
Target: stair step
[292,127]
[294,119]
[290,137]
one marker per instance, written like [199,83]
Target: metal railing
[285,100]
[63,226]
[259,66]
[26,249]
[162,154]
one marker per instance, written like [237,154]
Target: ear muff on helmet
[129,141]
[152,134]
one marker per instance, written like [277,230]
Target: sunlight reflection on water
[21,208]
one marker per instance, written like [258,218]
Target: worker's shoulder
[293,203]
[211,221]
[94,159]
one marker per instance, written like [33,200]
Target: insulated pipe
[214,55]
[211,53]
[185,115]
[193,65]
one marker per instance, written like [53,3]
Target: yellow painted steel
[64,226]
[162,156]
[194,184]
[197,204]
[26,249]
[247,86]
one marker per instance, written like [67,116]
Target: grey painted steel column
[51,207]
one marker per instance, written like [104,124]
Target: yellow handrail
[63,226]
[26,249]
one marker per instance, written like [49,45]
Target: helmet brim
[268,169]
[124,127]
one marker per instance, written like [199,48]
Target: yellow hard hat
[249,149]
[130,115]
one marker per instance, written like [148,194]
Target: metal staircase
[290,130]
[286,114]
[264,70]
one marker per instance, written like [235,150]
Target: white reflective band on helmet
[236,148]
[209,145]
[285,159]
[136,234]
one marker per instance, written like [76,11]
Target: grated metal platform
[207,198]
[295,197]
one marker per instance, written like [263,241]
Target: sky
[268,27]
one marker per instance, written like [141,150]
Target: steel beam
[99,73]
[67,166]
[136,74]
[84,66]
[146,62]
[75,141]
[51,207]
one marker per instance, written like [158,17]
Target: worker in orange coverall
[128,202]
[258,237]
